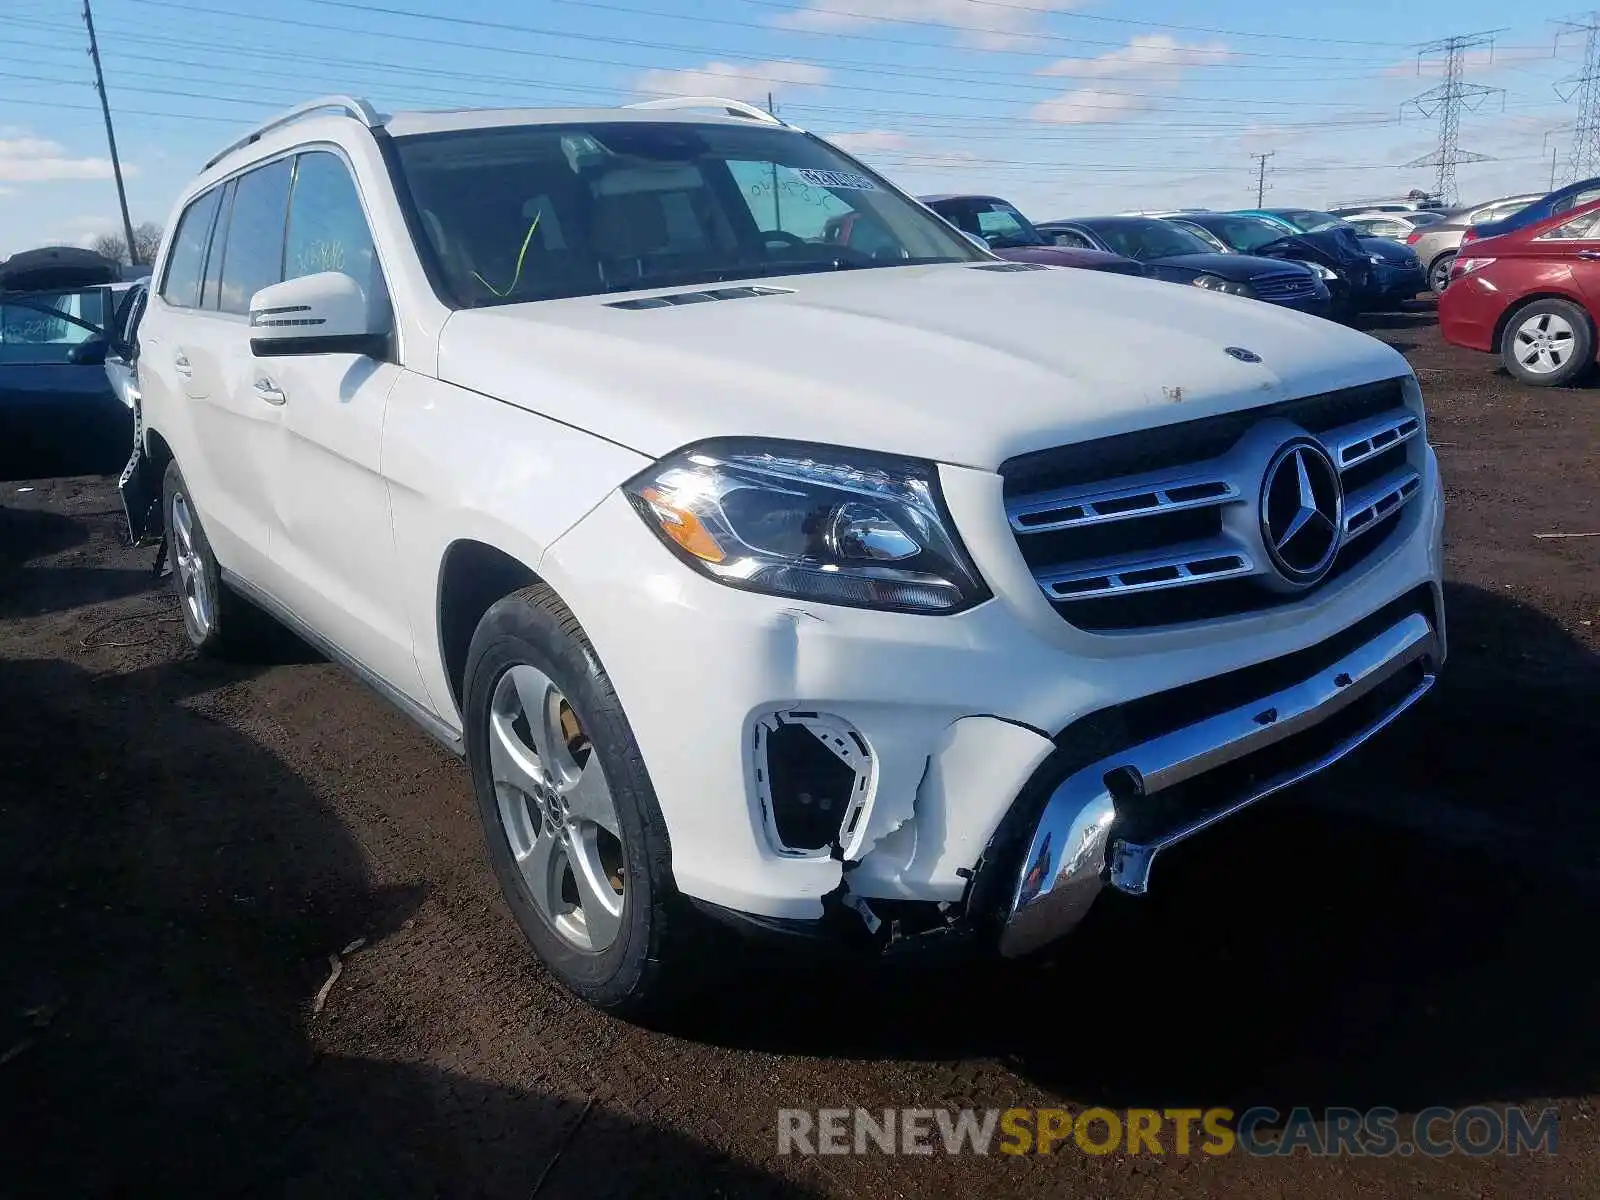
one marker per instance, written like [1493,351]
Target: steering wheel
[769,236]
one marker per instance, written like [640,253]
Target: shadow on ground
[1406,931]
[169,894]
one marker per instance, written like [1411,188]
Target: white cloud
[1158,60]
[901,150]
[26,159]
[989,25]
[871,141]
[750,83]
[1147,55]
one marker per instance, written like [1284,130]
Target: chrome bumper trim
[1075,850]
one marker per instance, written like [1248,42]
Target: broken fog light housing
[812,523]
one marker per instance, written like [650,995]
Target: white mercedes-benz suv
[776,557]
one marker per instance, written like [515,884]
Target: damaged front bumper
[1105,824]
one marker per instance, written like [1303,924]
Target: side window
[186,261]
[253,258]
[1067,237]
[1573,230]
[210,289]
[327,227]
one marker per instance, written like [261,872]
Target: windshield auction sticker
[847,181]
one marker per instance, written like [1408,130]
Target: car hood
[963,364]
[1391,251]
[1069,256]
[1239,267]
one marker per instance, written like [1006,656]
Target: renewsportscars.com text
[1376,1132]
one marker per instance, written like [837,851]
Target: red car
[1530,296]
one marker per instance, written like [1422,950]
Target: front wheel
[573,828]
[1439,273]
[1548,343]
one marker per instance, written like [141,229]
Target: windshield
[995,221]
[1147,239]
[1309,220]
[537,212]
[1245,234]
[43,327]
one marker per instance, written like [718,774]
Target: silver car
[1397,226]
[1437,244]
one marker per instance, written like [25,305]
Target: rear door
[1567,258]
[237,427]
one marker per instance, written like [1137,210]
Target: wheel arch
[473,574]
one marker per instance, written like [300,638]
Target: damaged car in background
[927,639]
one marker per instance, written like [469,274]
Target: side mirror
[91,352]
[975,240]
[325,313]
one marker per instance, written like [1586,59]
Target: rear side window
[210,289]
[253,258]
[186,261]
[1578,227]
[327,227]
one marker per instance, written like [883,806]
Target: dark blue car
[1558,201]
[59,414]
[1179,256]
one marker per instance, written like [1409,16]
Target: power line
[1446,101]
[540,31]
[1159,25]
[1583,159]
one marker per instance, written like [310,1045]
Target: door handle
[1591,255]
[268,391]
[180,364]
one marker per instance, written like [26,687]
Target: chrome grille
[1163,526]
[1287,285]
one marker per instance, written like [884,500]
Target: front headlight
[1320,271]
[1215,283]
[810,522]
[1375,259]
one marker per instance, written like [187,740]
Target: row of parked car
[1296,257]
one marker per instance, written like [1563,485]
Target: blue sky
[1064,106]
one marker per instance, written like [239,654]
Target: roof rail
[734,108]
[349,105]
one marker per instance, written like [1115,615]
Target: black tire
[1439,273]
[662,943]
[236,628]
[1577,357]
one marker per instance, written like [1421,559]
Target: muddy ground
[183,844]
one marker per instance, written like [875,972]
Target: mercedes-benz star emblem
[1243,355]
[1302,511]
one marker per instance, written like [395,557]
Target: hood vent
[677,298]
[1011,266]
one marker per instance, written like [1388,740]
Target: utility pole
[1584,158]
[111,137]
[1261,176]
[1447,102]
[777,212]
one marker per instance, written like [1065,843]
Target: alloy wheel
[1544,343]
[198,602]
[556,809]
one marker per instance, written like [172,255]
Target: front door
[333,544]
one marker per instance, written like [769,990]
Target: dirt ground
[183,844]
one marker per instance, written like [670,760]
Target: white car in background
[877,595]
